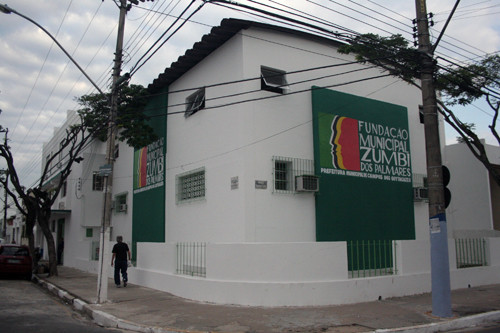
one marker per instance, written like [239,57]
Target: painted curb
[454,324]
[101,318]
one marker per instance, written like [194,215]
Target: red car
[15,260]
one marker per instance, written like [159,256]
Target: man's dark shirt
[120,249]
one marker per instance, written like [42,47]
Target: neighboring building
[14,231]
[474,210]
[284,175]
[77,213]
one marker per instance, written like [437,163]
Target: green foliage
[390,53]
[458,84]
[131,121]
[462,85]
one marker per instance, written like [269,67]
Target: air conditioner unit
[420,193]
[307,183]
[123,207]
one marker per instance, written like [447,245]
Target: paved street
[25,307]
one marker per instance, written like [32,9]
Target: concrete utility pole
[440,268]
[105,248]
[6,173]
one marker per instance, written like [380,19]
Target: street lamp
[7,10]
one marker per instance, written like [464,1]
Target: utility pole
[6,173]
[440,268]
[104,253]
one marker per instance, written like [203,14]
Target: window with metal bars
[286,170]
[97,182]
[282,171]
[191,186]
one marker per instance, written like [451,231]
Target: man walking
[120,252]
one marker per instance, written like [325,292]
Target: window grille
[121,203]
[64,189]
[273,80]
[191,186]
[97,182]
[94,250]
[191,259]
[471,252]
[366,258]
[195,102]
[419,180]
[285,171]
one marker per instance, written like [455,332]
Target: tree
[36,202]
[459,85]
[131,120]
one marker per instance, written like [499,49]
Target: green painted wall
[362,154]
[148,219]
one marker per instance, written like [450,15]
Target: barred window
[286,171]
[191,186]
[97,182]
[282,175]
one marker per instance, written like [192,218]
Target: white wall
[297,274]
[241,139]
[470,206]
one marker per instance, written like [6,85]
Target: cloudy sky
[38,84]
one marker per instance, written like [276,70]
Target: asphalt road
[25,307]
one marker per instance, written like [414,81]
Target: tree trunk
[43,221]
[31,241]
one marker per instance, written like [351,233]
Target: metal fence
[367,258]
[471,252]
[191,259]
[94,250]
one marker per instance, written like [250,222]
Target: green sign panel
[362,154]
[148,224]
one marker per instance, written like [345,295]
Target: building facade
[285,174]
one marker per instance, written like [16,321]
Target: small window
[97,182]
[282,175]
[64,189]
[121,203]
[89,232]
[195,102]
[191,186]
[286,171]
[117,151]
[273,80]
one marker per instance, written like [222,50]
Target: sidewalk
[142,309]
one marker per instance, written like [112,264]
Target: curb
[104,319]
[101,318]
[454,324]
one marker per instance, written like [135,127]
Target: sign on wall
[149,166]
[148,217]
[362,154]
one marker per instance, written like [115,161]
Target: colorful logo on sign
[365,149]
[141,167]
[345,143]
[149,166]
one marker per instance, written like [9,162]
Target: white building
[283,175]
[474,210]
[77,213]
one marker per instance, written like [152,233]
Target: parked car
[15,260]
